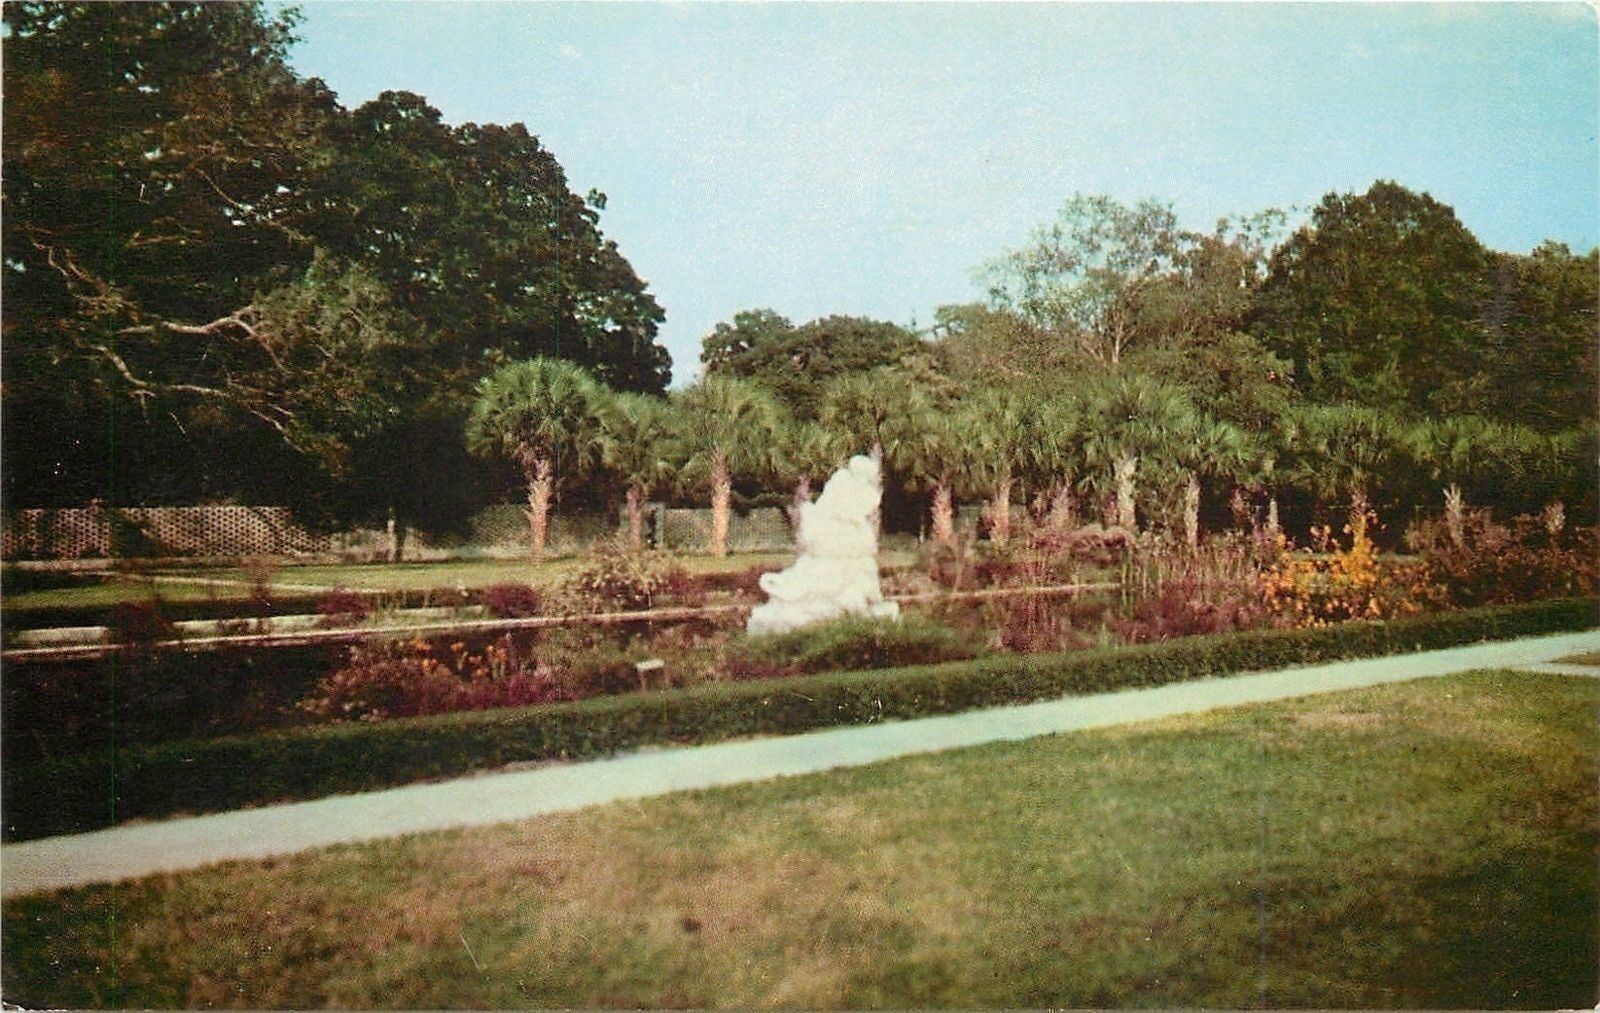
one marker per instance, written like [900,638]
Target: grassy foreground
[1425,844]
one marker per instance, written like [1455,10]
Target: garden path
[170,845]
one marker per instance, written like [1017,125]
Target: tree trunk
[1454,513]
[635,508]
[877,511]
[1359,505]
[944,521]
[1000,513]
[541,485]
[397,538]
[1239,506]
[1125,470]
[802,495]
[1062,515]
[1191,512]
[721,494]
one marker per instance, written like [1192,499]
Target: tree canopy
[798,363]
[205,254]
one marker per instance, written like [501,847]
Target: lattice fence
[762,530]
[237,531]
[157,531]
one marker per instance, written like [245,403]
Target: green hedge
[83,792]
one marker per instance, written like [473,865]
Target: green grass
[380,576]
[1426,844]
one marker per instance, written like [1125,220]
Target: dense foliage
[234,287]
[231,287]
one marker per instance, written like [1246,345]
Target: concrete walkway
[142,849]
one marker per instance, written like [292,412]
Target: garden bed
[127,780]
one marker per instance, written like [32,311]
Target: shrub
[511,601]
[849,643]
[1339,584]
[343,607]
[1186,607]
[381,680]
[1098,546]
[391,679]
[136,622]
[84,791]
[1492,563]
[616,580]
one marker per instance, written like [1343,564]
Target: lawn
[1424,844]
[192,584]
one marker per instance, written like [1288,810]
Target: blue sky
[866,158]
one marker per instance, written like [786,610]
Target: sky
[867,159]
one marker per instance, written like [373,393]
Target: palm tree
[805,452]
[875,410]
[937,453]
[1207,448]
[1127,418]
[1464,448]
[728,428]
[544,414]
[639,445]
[1052,453]
[872,409]
[996,425]
[1256,469]
[1342,449]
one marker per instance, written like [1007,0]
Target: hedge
[95,790]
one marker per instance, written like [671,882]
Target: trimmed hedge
[96,790]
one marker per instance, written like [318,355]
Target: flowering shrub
[408,678]
[617,580]
[343,607]
[1483,562]
[511,601]
[392,679]
[1339,584]
[1098,546]
[746,581]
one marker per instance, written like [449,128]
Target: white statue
[837,572]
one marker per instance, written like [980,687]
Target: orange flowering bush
[1340,584]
